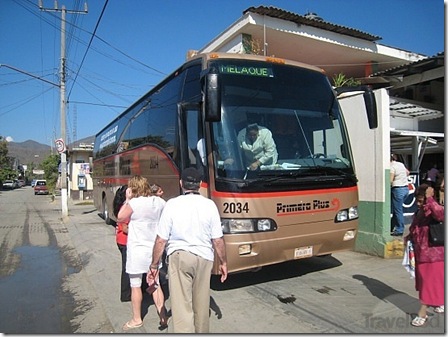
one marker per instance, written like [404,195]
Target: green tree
[50,165]
[6,171]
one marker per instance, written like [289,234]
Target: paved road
[344,293]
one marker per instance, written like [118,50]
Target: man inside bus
[258,146]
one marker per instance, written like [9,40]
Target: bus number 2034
[236,207]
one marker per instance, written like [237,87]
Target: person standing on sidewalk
[432,176]
[121,237]
[190,228]
[429,261]
[143,211]
[399,190]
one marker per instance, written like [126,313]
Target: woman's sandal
[419,321]
[439,309]
[129,325]
[163,319]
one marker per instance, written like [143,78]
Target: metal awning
[416,143]
[401,107]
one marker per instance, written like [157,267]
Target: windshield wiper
[332,171]
[308,171]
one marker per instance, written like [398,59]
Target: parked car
[33,182]
[8,185]
[40,187]
[21,182]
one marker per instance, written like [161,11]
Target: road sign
[60,145]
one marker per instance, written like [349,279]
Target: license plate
[300,253]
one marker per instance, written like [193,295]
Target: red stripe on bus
[217,194]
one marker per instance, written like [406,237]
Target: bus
[302,204]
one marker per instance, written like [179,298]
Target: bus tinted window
[192,87]
[155,123]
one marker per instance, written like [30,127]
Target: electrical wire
[88,47]
[108,56]
[26,101]
[104,90]
[97,104]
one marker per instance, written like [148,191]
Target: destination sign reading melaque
[250,71]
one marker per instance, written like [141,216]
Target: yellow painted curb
[394,249]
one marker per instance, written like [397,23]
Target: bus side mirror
[212,99]
[372,112]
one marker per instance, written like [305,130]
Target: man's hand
[223,269]
[255,165]
[220,249]
[151,276]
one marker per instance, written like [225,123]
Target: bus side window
[191,156]
[201,151]
[194,135]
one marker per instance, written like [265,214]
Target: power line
[98,37]
[130,57]
[27,73]
[97,104]
[23,102]
[88,47]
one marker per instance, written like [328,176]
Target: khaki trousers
[189,284]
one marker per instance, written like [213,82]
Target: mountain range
[30,151]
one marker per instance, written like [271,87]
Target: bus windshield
[297,132]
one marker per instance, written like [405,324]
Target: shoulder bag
[436,233]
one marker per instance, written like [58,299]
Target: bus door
[192,140]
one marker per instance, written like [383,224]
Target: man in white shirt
[258,146]
[399,188]
[190,228]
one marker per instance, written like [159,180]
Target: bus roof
[271,59]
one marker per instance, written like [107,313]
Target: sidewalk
[346,293]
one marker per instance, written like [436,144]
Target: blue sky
[142,41]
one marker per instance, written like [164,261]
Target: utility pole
[62,81]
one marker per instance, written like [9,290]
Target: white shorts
[136,280]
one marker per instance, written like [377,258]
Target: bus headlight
[233,226]
[347,214]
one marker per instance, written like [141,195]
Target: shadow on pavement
[281,271]
[401,300]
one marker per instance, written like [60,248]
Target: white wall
[371,148]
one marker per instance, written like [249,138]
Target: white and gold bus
[304,204]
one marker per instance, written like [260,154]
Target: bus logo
[307,207]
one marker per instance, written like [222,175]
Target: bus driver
[258,146]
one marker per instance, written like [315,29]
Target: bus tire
[105,212]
